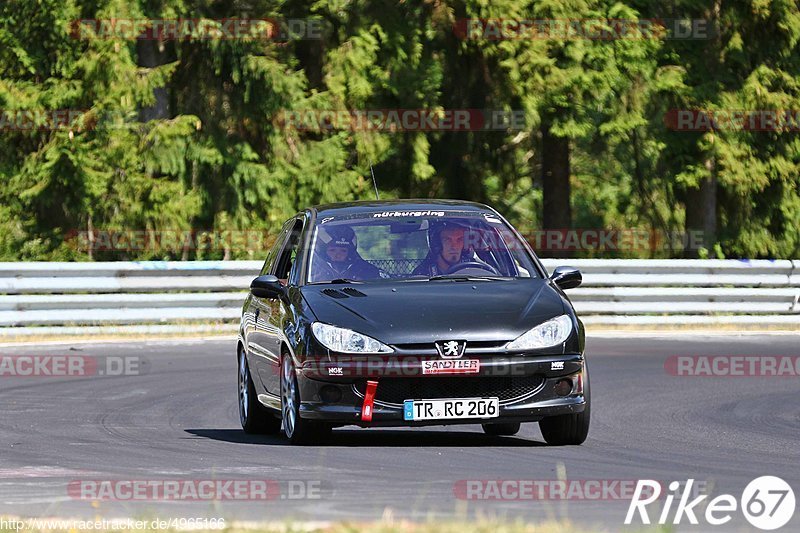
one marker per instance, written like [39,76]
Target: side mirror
[566,277]
[267,287]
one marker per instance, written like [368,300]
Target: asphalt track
[177,419]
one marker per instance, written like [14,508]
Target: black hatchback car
[410,313]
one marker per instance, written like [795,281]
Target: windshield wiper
[338,281]
[466,278]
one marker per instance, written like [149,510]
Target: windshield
[416,245]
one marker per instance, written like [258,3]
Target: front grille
[397,390]
[471,345]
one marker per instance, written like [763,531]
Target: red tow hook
[369,398]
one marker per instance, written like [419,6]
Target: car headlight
[550,333]
[346,340]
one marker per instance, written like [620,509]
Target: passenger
[341,259]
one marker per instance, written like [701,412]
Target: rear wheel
[506,428]
[298,430]
[253,417]
[570,429]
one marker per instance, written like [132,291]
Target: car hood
[427,311]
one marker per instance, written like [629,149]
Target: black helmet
[435,229]
[343,236]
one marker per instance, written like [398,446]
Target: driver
[446,242]
[341,259]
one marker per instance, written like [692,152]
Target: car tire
[253,417]
[572,429]
[298,430]
[505,428]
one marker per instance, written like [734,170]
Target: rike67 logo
[767,502]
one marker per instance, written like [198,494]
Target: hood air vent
[350,291]
[333,293]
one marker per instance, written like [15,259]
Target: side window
[290,251]
[269,264]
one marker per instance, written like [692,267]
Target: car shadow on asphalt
[376,437]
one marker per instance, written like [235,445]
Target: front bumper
[524,384]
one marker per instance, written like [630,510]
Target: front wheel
[298,430]
[253,417]
[570,429]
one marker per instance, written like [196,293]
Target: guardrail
[687,291]
[614,291]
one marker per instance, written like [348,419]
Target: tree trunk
[149,55]
[708,190]
[701,213]
[556,212]
[701,201]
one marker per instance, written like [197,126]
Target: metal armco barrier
[614,291]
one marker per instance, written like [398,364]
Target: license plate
[451,366]
[451,408]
